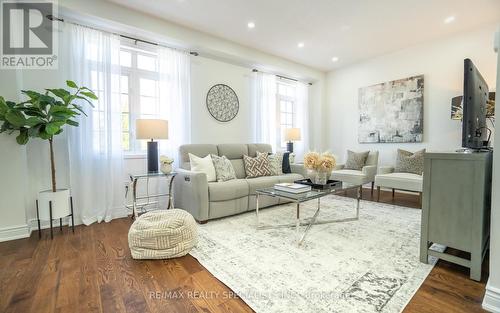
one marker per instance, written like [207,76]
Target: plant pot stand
[51,219]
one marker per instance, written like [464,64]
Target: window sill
[131,156]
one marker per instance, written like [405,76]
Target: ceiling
[351,30]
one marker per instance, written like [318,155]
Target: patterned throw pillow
[275,162]
[224,170]
[356,160]
[409,162]
[258,166]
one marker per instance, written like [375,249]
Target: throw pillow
[275,162]
[286,163]
[356,160]
[203,165]
[409,162]
[224,170]
[258,166]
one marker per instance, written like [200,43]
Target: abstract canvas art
[392,111]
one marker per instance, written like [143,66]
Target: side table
[135,178]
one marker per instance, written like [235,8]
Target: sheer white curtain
[264,108]
[174,95]
[95,149]
[302,120]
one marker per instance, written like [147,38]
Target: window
[286,109]
[139,93]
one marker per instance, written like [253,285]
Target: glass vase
[320,177]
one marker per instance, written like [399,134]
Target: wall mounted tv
[475,133]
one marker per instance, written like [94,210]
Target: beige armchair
[364,176]
[387,178]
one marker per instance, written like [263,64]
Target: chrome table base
[308,222]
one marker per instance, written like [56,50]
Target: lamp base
[152,156]
[289,146]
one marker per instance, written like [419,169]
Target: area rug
[368,265]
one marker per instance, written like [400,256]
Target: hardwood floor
[92,271]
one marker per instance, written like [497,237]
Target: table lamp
[151,129]
[291,134]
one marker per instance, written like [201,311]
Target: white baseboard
[14,232]
[491,300]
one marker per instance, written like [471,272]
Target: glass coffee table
[303,197]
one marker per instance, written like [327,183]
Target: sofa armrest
[338,167]
[370,171]
[191,193]
[386,170]
[298,169]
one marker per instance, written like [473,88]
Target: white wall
[441,63]
[491,300]
[205,129]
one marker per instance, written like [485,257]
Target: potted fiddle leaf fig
[44,115]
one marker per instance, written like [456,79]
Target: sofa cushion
[276,163]
[228,190]
[200,150]
[289,178]
[232,151]
[203,165]
[350,176]
[403,181]
[409,162]
[356,160]
[223,168]
[261,147]
[261,182]
[258,166]
[239,168]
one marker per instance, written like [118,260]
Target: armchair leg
[393,190]
[378,193]
[373,185]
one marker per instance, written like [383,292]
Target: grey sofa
[210,200]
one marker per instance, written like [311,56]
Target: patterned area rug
[369,265]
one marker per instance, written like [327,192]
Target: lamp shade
[151,129]
[292,134]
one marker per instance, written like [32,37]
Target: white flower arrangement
[166,160]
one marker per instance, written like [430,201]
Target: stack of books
[292,188]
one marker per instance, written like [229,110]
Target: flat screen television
[474,130]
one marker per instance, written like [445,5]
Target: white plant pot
[60,204]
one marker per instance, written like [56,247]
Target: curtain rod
[193,53]
[280,76]
[54,18]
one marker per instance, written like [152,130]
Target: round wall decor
[222,103]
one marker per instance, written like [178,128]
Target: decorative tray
[330,184]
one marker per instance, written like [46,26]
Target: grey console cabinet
[456,207]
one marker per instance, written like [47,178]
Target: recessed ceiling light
[449,19]
[335,59]
[251,25]
[300,45]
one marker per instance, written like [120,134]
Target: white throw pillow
[203,165]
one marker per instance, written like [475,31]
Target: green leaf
[61,93]
[33,121]
[16,118]
[31,111]
[52,128]
[3,106]
[72,123]
[71,84]
[23,137]
[44,135]
[89,94]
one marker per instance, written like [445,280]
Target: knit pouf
[162,234]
